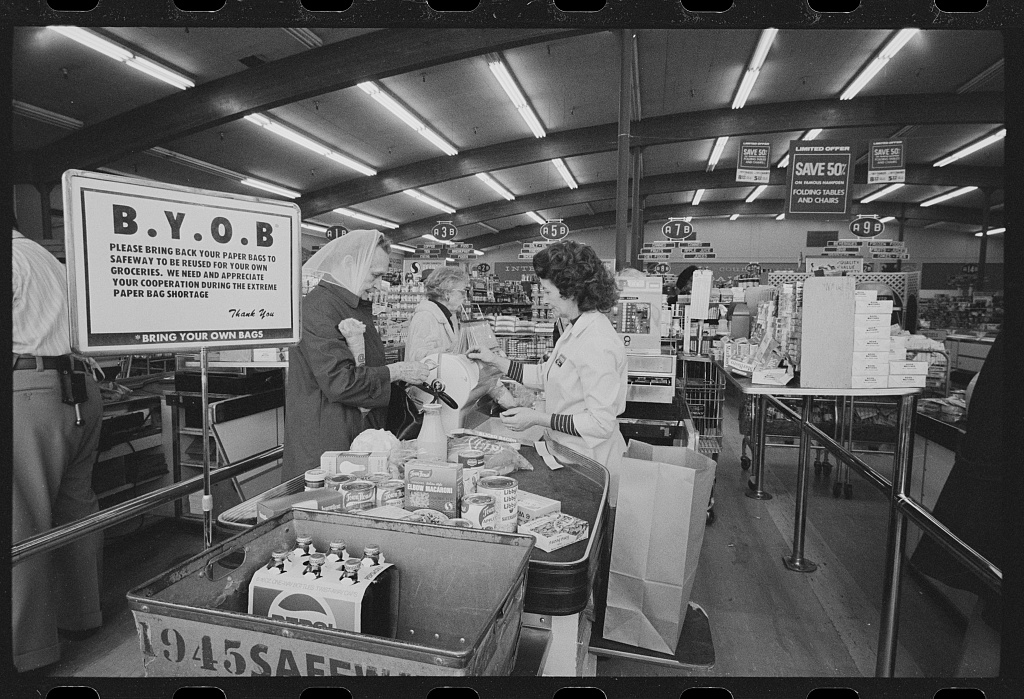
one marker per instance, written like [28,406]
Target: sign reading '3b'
[444,230]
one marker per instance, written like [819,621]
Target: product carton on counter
[871,381]
[866,294]
[435,486]
[345,462]
[866,306]
[905,367]
[871,344]
[861,319]
[556,530]
[532,506]
[907,380]
[318,499]
[871,357]
[870,330]
[879,368]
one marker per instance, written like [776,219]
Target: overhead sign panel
[753,162]
[887,162]
[819,178]
[155,267]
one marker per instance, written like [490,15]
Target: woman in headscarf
[336,388]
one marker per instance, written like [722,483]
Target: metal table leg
[757,439]
[796,561]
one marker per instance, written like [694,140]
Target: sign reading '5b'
[554,230]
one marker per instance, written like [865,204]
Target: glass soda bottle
[337,554]
[303,549]
[315,564]
[378,614]
[279,560]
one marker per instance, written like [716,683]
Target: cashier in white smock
[584,378]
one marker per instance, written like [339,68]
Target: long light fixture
[314,227]
[734,217]
[809,135]
[431,238]
[119,53]
[756,193]
[887,219]
[687,218]
[881,193]
[268,187]
[308,143]
[696,197]
[366,217]
[478,253]
[976,146]
[31,111]
[490,181]
[535,217]
[716,152]
[754,69]
[784,162]
[508,83]
[948,195]
[430,201]
[392,105]
[869,71]
[403,248]
[993,231]
[564,172]
[780,217]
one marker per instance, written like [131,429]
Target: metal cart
[703,389]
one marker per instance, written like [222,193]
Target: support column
[983,249]
[45,210]
[637,218]
[623,254]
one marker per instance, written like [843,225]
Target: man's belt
[29,362]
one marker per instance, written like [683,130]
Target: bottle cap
[280,556]
[371,550]
[303,540]
[317,560]
[352,565]
[337,545]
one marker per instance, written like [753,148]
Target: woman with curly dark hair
[584,379]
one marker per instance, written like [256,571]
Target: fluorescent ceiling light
[757,192]
[305,37]
[197,163]
[687,218]
[696,197]
[564,172]
[495,186]
[119,53]
[535,217]
[887,219]
[870,70]
[308,143]
[753,70]
[812,134]
[948,195]
[716,152]
[392,105]
[31,111]
[266,186]
[478,252]
[430,200]
[780,217]
[993,231]
[508,83]
[976,146]
[366,217]
[449,259]
[403,248]
[746,85]
[784,162]
[314,227]
[734,217]
[881,193]
[432,239]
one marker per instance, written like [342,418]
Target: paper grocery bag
[659,529]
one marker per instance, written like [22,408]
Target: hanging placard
[753,162]
[444,230]
[866,226]
[554,230]
[483,268]
[678,229]
[886,162]
[336,232]
[819,178]
[156,267]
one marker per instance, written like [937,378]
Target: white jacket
[429,332]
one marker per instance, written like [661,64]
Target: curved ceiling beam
[304,75]
[724,208]
[951,176]
[972,108]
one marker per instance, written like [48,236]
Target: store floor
[765,620]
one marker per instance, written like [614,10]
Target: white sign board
[154,267]
[834,264]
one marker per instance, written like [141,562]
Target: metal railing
[60,536]
[901,508]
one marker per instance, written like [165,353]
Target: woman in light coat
[434,326]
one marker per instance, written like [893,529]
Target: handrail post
[797,561]
[757,440]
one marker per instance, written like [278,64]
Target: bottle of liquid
[336,555]
[300,556]
[315,565]
[378,614]
[432,442]
[372,556]
[279,561]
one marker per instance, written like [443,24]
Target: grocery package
[499,456]
[434,486]
[556,530]
[532,506]
[510,394]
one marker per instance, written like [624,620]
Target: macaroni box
[435,486]
[532,506]
[907,380]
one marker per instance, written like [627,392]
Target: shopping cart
[703,388]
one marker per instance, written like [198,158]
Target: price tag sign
[336,232]
[678,229]
[554,230]
[886,162]
[866,227]
[444,230]
[753,162]
[155,267]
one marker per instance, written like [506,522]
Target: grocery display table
[907,408]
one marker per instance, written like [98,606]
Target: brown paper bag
[659,528]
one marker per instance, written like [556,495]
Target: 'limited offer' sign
[156,267]
[819,178]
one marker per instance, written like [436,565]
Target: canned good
[505,491]
[479,510]
[391,492]
[378,478]
[315,478]
[459,522]
[359,495]
[334,482]
[485,473]
[471,458]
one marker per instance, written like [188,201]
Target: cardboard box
[897,354]
[869,381]
[860,319]
[870,357]
[336,462]
[385,512]
[905,367]
[880,368]
[556,530]
[907,380]
[434,486]
[865,306]
[532,506]
[866,294]
[900,341]
[871,330]
[319,499]
[266,354]
[870,344]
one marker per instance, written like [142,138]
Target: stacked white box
[870,340]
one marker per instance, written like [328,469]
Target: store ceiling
[942,91]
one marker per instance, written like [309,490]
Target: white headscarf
[344,261]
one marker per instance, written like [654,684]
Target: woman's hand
[483,354]
[410,372]
[519,419]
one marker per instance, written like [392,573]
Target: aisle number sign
[554,230]
[678,229]
[336,232]
[819,178]
[866,227]
[156,267]
[444,230]
[753,162]
[886,162]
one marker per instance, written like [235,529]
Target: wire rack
[704,395]
[525,347]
